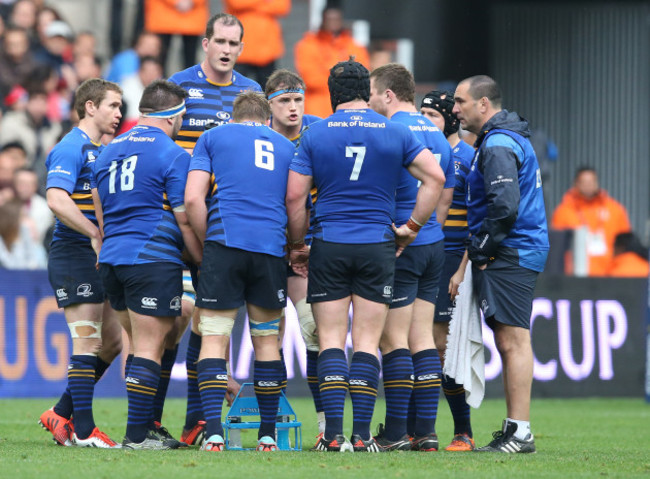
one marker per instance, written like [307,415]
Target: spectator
[85,43]
[117,24]
[133,86]
[589,206]
[630,257]
[16,152]
[7,170]
[317,51]
[23,14]
[16,60]
[86,66]
[182,17]
[36,214]
[45,16]
[17,248]
[33,130]
[127,62]
[264,44]
[57,45]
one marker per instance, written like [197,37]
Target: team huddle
[224,196]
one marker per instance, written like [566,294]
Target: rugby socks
[284,372]
[101,368]
[426,390]
[312,379]
[364,380]
[397,367]
[212,384]
[81,381]
[333,382]
[194,412]
[141,387]
[64,407]
[127,365]
[268,377]
[166,365]
[455,394]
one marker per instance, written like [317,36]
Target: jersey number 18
[127,176]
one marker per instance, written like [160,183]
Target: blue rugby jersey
[407,191]
[140,178]
[505,202]
[69,167]
[455,229]
[208,102]
[355,158]
[249,163]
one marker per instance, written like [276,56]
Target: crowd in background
[43,61]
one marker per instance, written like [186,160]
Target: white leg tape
[265,328]
[307,325]
[216,326]
[96,325]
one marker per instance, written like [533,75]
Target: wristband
[413,225]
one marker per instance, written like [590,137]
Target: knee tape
[187,283]
[96,325]
[266,328]
[215,326]
[307,325]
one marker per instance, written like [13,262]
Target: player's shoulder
[72,143]
[464,151]
[308,120]
[241,81]
[191,74]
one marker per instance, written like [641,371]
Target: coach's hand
[404,236]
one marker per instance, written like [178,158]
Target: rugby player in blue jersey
[509,243]
[437,106]
[354,158]
[245,165]
[76,241]
[140,178]
[410,363]
[212,86]
[285,91]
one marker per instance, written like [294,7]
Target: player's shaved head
[161,95]
[225,19]
[483,86]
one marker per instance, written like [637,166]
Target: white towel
[465,357]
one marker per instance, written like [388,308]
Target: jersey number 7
[360,152]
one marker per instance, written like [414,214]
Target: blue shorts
[231,277]
[72,272]
[417,274]
[339,270]
[445,305]
[505,293]
[150,289]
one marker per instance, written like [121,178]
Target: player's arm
[192,242]
[196,190]
[458,277]
[298,186]
[442,210]
[69,214]
[99,211]
[426,169]
[500,173]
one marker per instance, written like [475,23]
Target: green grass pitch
[574,437]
